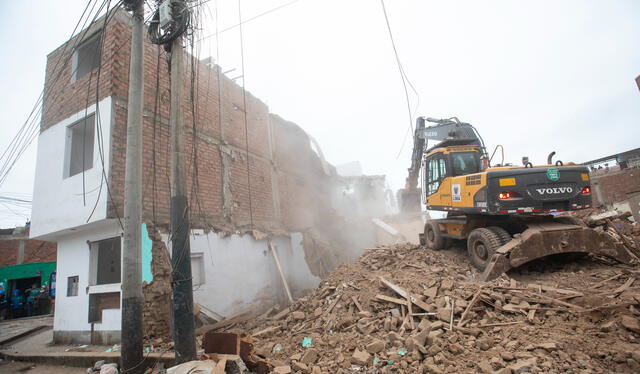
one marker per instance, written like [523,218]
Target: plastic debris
[307,342]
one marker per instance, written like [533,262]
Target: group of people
[30,302]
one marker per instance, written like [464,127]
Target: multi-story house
[248,182]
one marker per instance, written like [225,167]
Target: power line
[403,76]
[7,198]
[240,23]
[29,130]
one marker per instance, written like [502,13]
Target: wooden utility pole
[183,320]
[132,300]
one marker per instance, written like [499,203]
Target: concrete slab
[15,329]
[8,367]
[37,348]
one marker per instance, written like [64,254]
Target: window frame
[432,185]
[95,36]
[70,290]
[199,257]
[94,258]
[69,154]
[476,159]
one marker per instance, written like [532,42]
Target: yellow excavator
[506,213]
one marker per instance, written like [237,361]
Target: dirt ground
[7,367]
[568,315]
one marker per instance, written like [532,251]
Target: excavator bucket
[549,238]
[409,200]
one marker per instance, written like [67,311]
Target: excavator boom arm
[444,129]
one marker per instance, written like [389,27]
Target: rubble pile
[409,309]
[157,294]
[616,224]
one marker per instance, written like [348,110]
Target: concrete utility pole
[183,322]
[132,299]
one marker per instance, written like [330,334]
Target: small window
[105,261]
[72,285]
[80,146]
[197,269]
[464,163]
[86,57]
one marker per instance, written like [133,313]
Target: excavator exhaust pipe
[545,239]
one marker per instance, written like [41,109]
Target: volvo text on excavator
[505,213]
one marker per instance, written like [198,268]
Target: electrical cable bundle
[179,24]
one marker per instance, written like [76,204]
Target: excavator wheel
[481,245]
[433,236]
[503,234]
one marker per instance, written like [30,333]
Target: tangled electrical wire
[181,19]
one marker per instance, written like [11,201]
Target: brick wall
[614,187]
[261,170]
[9,252]
[34,250]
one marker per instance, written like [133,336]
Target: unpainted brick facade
[615,186]
[264,171]
[12,244]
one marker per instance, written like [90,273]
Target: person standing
[4,304]
[17,304]
[32,299]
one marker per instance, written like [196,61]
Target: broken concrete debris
[525,321]
[101,367]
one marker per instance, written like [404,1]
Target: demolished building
[615,180]
[254,178]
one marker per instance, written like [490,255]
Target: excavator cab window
[465,163]
[435,173]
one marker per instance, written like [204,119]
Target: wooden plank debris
[281,314]
[400,291]
[280,272]
[356,303]
[623,288]
[500,324]
[561,291]
[333,305]
[410,312]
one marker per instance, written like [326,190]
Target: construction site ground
[35,352]
[409,309]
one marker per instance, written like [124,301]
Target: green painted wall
[147,255]
[27,271]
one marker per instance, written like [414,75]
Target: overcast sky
[536,76]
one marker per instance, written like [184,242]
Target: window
[105,261]
[102,301]
[80,146]
[436,171]
[72,286]
[464,163]
[86,57]
[197,269]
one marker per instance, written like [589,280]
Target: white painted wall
[72,312]
[57,201]
[240,271]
